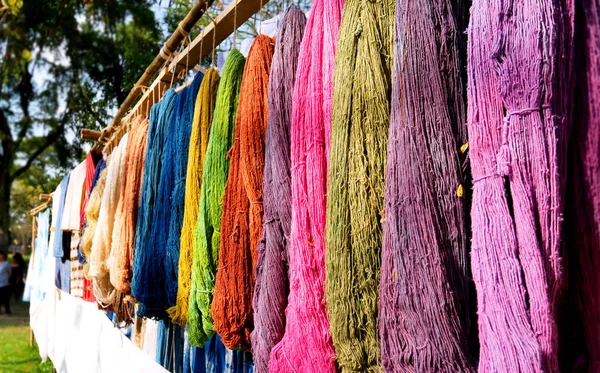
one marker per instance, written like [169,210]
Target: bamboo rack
[225,24]
[171,45]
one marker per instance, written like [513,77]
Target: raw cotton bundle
[359,131]
[123,238]
[144,283]
[101,244]
[423,313]
[306,345]
[242,203]
[518,123]
[271,291]
[207,234]
[203,116]
[582,215]
[179,152]
[92,212]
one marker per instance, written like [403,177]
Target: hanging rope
[306,345]
[126,215]
[207,233]
[423,313]
[359,132]
[144,283]
[203,114]
[242,203]
[271,291]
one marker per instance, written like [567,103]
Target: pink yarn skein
[307,345]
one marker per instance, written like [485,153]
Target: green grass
[16,356]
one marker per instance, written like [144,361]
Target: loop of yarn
[242,220]
[271,291]
[207,233]
[203,115]
[359,131]
[306,345]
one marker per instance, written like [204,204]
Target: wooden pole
[87,134]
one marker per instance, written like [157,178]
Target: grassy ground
[15,354]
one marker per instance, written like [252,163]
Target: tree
[66,64]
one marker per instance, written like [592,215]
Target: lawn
[16,355]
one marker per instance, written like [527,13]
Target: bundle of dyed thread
[92,212]
[423,314]
[271,291]
[207,236]
[177,156]
[359,131]
[583,200]
[518,125]
[99,271]
[242,203]
[306,344]
[144,282]
[203,115]
[123,238]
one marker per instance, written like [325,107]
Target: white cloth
[77,337]
[71,217]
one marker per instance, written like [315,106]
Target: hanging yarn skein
[144,283]
[423,313]
[271,291]
[242,203]
[583,200]
[306,345]
[92,212]
[177,155]
[203,115]
[207,233]
[123,237]
[105,293]
[90,171]
[359,131]
[518,123]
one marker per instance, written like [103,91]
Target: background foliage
[67,65]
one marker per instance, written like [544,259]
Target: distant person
[16,279]
[5,272]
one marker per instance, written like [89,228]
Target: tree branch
[51,138]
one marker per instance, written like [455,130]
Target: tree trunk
[5,186]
